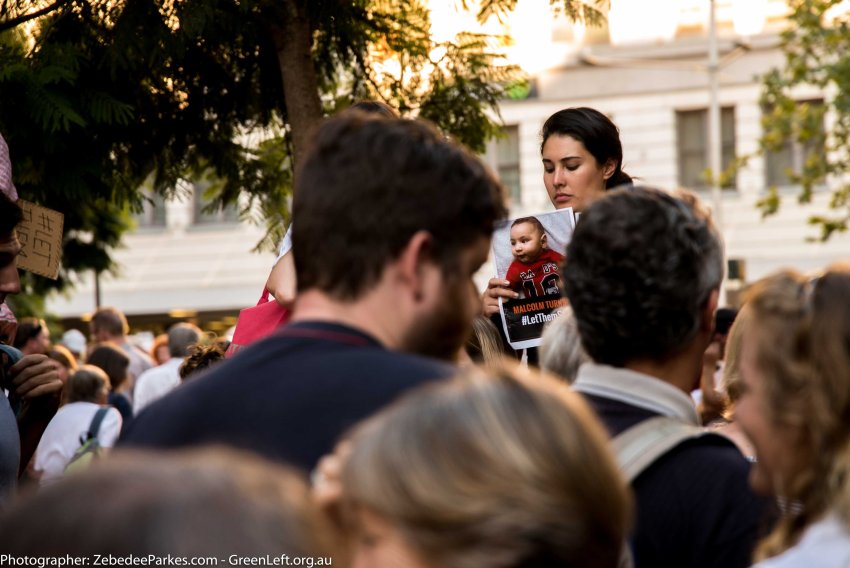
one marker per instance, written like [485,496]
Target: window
[153,211]
[507,161]
[229,214]
[793,155]
[692,140]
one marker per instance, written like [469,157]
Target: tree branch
[23,18]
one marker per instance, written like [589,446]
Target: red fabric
[538,278]
[257,322]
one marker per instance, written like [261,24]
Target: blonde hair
[802,332]
[484,345]
[496,468]
[732,362]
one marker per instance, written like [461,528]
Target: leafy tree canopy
[104,97]
[815,54]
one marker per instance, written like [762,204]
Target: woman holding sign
[582,158]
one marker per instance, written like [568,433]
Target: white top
[285,244]
[825,544]
[65,434]
[155,383]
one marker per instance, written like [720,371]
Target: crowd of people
[387,424]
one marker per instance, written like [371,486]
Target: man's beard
[442,332]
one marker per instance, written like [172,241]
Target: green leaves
[816,53]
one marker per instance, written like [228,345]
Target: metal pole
[715,141]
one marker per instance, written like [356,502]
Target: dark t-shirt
[694,504]
[288,397]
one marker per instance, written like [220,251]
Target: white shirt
[825,544]
[65,433]
[155,383]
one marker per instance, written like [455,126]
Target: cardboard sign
[40,234]
[534,272]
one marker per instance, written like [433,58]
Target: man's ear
[608,169]
[411,263]
[709,310]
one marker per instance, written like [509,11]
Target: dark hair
[532,221]
[10,215]
[368,184]
[110,320]
[28,328]
[112,360]
[640,266]
[375,107]
[723,320]
[86,384]
[201,357]
[599,135]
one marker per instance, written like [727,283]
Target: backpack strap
[641,445]
[94,427]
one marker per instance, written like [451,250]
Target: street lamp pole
[715,143]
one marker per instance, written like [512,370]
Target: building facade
[646,70]
[656,90]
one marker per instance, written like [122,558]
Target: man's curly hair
[640,267]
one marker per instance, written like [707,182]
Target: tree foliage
[815,54]
[101,97]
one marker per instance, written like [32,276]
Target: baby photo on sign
[529,252]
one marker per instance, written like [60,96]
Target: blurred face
[41,342]
[10,282]
[527,243]
[453,302]
[381,545]
[772,442]
[162,354]
[61,370]
[571,174]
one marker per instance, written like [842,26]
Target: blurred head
[64,361]
[582,157]
[498,468]
[32,336]
[112,360]
[201,357]
[368,184]
[10,216]
[369,189]
[795,394]
[199,503]
[561,352]
[87,384]
[108,324]
[375,107]
[181,338]
[159,350]
[642,273]
[75,342]
[528,239]
[484,345]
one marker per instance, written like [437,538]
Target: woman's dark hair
[112,360]
[599,135]
[376,107]
[86,384]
